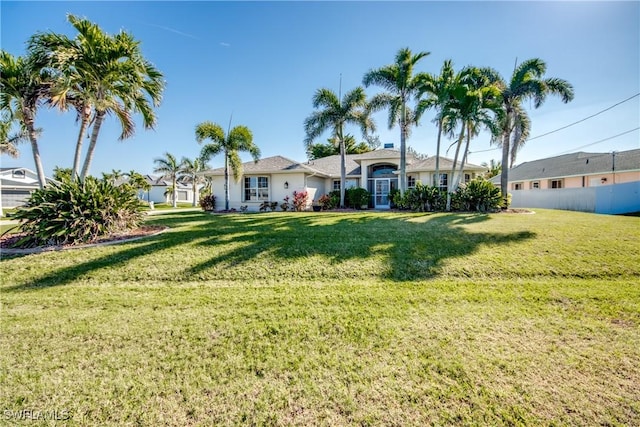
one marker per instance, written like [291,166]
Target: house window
[411,181]
[518,186]
[256,188]
[555,183]
[467,178]
[535,185]
[18,173]
[336,185]
[444,182]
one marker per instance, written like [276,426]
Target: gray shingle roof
[272,164]
[429,164]
[331,165]
[574,164]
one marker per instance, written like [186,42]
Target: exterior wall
[316,187]
[14,198]
[277,190]
[605,199]
[595,180]
[156,195]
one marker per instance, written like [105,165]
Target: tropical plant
[9,141]
[527,82]
[438,91]
[114,177]
[481,196]
[400,85]
[170,168]
[24,84]
[208,202]
[61,174]
[137,181]
[357,197]
[494,168]
[332,113]
[332,147]
[300,199]
[236,140]
[77,212]
[100,74]
[192,173]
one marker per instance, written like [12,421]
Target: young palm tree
[401,85]
[439,97]
[237,139]
[527,82]
[333,114]
[169,167]
[24,85]
[494,168]
[99,75]
[9,141]
[191,173]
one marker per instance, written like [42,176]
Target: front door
[381,195]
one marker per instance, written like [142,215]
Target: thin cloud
[173,30]
[225,44]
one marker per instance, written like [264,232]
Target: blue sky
[263,61]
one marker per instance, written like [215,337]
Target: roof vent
[388,145]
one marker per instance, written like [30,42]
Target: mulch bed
[8,241]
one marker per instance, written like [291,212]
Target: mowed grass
[332,319]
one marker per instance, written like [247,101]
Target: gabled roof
[575,164]
[429,164]
[274,164]
[330,165]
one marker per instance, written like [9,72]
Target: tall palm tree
[171,168]
[527,82]
[235,141]
[332,113]
[439,97]
[191,172]
[24,85]
[401,85]
[494,168]
[99,75]
[9,141]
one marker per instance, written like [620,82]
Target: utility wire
[586,118]
[598,142]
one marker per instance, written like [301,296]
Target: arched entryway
[381,180]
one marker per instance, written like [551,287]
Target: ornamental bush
[300,200]
[208,202]
[77,212]
[356,197]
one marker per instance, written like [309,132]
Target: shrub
[208,202]
[300,200]
[477,195]
[77,212]
[285,205]
[422,198]
[356,197]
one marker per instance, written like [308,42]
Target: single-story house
[590,182]
[274,178]
[162,190]
[16,185]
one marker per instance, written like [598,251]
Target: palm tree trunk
[504,175]
[403,151]
[453,168]
[37,160]
[92,145]
[195,192]
[437,181]
[343,168]
[464,158]
[175,192]
[226,180]
[86,115]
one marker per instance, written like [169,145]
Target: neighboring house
[16,185]
[589,182]
[274,178]
[162,190]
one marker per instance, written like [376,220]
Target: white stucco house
[16,185]
[161,190]
[274,178]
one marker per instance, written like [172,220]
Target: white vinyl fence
[606,199]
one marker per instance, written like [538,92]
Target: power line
[586,118]
[598,142]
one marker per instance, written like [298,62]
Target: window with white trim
[336,185]
[467,178]
[411,181]
[535,185]
[256,188]
[518,186]
[556,183]
[444,182]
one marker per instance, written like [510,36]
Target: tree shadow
[411,246]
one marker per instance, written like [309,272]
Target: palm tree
[332,113]
[99,75]
[401,85]
[169,167]
[438,90]
[24,85]
[527,82]
[494,168]
[191,172]
[9,141]
[237,140]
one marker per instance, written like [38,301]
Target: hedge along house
[588,182]
[273,178]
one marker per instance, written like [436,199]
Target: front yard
[331,318]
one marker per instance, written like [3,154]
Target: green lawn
[332,319]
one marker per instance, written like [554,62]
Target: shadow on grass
[409,246]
